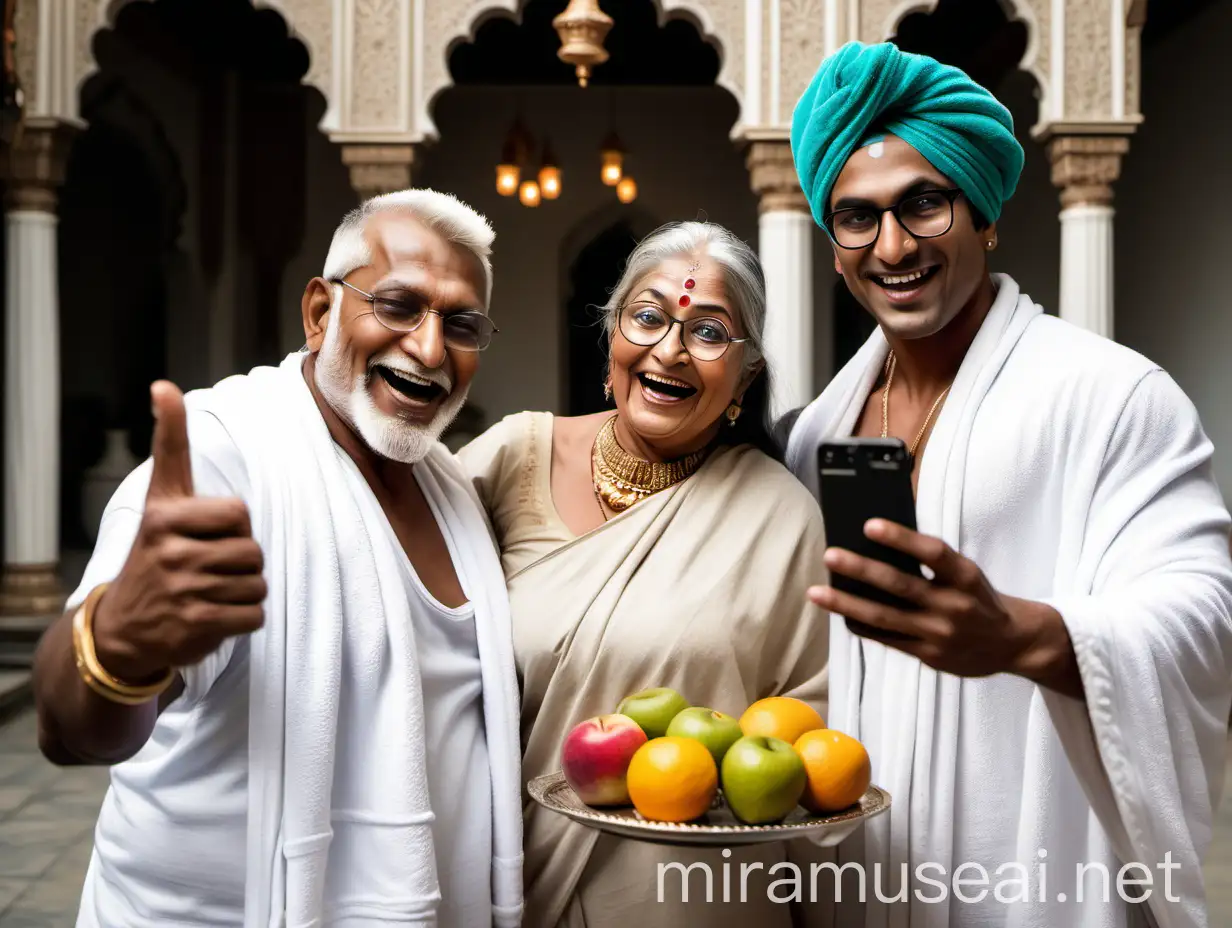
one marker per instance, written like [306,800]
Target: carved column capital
[772,175]
[1084,168]
[36,164]
[377,169]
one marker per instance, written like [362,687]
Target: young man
[292,640]
[1050,713]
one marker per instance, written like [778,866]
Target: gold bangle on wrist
[94,674]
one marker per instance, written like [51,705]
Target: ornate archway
[448,23]
[55,52]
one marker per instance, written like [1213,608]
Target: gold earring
[733,413]
[992,243]
[607,389]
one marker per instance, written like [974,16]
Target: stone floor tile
[24,918]
[25,770]
[57,891]
[28,848]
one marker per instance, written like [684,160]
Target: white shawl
[339,819]
[1073,471]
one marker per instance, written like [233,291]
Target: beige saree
[701,588]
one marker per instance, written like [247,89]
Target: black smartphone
[862,479]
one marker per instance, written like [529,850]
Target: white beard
[389,436]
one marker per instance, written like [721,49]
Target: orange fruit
[838,768]
[672,779]
[782,717]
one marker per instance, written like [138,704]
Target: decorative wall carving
[768,64]
[377,55]
[377,169]
[1133,72]
[1085,167]
[25,30]
[772,175]
[1088,61]
[376,94]
[803,47]
[37,164]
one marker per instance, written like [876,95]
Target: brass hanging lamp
[582,28]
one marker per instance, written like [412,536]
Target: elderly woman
[662,545]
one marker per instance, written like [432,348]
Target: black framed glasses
[923,215]
[466,330]
[705,338]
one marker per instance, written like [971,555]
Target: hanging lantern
[507,179]
[513,155]
[582,27]
[626,190]
[549,174]
[613,157]
[529,193]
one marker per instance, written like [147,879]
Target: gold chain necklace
[621,479]
[891,363]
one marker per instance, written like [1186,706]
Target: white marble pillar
[1085,167]
[1086,267]
[785,245]
[29,585]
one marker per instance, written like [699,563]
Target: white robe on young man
[1074,471]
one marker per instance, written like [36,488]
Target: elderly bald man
[1049,711]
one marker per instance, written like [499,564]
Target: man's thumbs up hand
[193,577]
[172,475]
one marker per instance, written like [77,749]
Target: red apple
[595,758]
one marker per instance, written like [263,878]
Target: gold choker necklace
[622,479]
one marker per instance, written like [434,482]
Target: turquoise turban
[862,92]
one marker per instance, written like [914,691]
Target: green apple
[715,730]
[763,779]
[653,709]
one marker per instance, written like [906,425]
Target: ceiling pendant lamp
[612,155]
[582,27]
[513,157]
[529,193]
[626,190]
[549,174]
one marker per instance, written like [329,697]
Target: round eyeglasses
[705,338]
[925,215]
[466,330]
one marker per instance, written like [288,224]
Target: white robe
[340,824]
[1073,471]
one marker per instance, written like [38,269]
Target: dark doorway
[592,278]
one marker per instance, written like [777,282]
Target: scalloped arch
[448,23]
[311,31]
